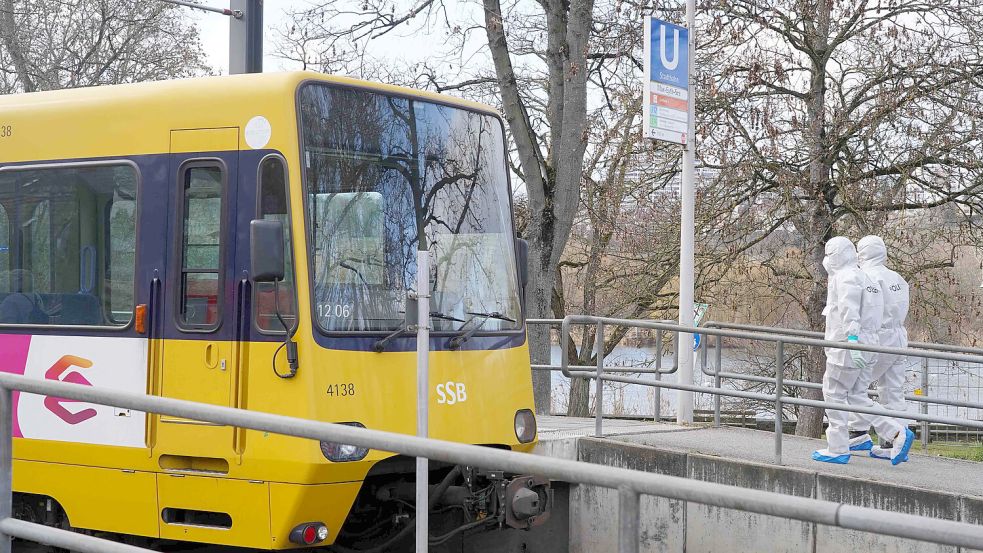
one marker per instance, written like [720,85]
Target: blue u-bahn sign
[669,53]
[666,99]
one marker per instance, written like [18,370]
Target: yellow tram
[125,259]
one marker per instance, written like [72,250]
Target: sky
[398,46]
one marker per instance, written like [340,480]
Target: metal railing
[778,399]
[922,399]
[657,371]
[630,484]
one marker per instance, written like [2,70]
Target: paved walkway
[921,471]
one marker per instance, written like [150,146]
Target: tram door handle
[153,308]
[213,357]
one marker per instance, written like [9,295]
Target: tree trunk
[553,188]
[820,218]
[810,419]
[539,292]
[9,36]
[579,405]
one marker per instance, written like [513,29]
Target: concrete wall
[716,529]
[594,511]
[675,526]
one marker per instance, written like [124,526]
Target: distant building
[704,177]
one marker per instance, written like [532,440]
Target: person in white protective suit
[888,370]
[854,309]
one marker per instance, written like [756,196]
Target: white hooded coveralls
[887,370]
[854,307]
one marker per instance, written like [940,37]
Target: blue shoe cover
[909,438]
[884,454]
[880,453]
[824,458]
[866,446]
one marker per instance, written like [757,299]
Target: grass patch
[967,452]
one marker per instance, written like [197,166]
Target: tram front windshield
[382,174]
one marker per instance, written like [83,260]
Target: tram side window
[120,265]
[201,247]
[60,262]
[273,205]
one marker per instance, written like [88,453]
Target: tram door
[199,360]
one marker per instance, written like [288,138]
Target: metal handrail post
[779,377]
[628,517]
[6,463]
[718,357]
[658,399]
[704,352]
[924,406]
[675,351]
[658,352]
[599,381]
[564,343]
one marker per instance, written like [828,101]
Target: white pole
[684,409]
[422,398]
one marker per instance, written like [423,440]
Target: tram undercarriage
[463,500]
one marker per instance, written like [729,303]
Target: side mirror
[265,250]
[522,255]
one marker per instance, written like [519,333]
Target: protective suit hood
[871,251]
[840,254]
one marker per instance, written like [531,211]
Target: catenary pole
[246,37]
[245,32]
[422,396]
[687,238]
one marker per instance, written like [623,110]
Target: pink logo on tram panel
[13,360]
[57,404]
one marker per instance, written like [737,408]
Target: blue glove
[857,356]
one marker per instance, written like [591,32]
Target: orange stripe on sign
[670,103]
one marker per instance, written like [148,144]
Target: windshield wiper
[443,317]
[380,345]
[492,315]
[457,341]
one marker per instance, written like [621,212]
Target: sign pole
[668,115]
[687,238]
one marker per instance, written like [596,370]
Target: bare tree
[822,117]
[596,175]
[47,45]
[547,122]
[834,117]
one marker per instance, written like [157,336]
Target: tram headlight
[344,453]
[525,426]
